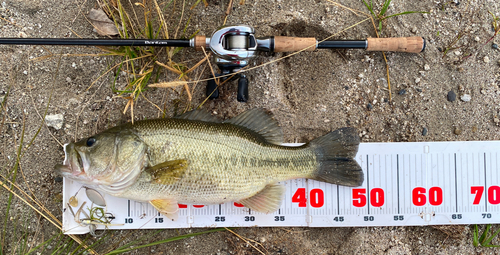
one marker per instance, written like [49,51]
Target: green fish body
[198,159]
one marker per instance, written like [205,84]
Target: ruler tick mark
[456,191]
[368,183]
[485,186]
[397,172]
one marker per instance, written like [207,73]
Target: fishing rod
[234,46]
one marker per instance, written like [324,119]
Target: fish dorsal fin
[258,120]
[267,200]
[167,207]
[167,172]
[200,115]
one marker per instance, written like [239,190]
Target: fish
[196,158]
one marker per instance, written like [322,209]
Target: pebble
[58,179]
[55,121]
[486,59]
[402,92]
[495,46]
[452,96]
[477,39]
[417,80]
[465,97]
[457,131]
[424,132]
[427,67]
[369,106]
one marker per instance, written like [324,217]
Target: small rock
[495,46]
[474,129]
[386,100]
[477,39]
[402,92]
[461,88]
[457,131]
[465,97]
[369,106]
[458,53]
[68,79]
[58,179]
[427,67]
[417,80]
[22,35]
[486,59]
[496,120]
[452,96]
[424,132]
[55,121]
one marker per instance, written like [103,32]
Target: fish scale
[220,168]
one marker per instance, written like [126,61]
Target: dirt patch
[310,94]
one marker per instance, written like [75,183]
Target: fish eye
[90,141]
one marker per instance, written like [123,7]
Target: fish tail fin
[335,153]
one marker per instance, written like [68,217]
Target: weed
[143,66]
[380,16]
[484,240]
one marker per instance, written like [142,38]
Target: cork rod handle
[289,44]
[401,44]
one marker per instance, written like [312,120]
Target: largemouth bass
[196,158]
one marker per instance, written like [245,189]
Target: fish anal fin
[167,207]
[167,172]
[267,200]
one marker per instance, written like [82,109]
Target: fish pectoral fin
[167,207]
[167,172]
[267,200]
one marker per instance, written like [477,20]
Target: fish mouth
[73,163]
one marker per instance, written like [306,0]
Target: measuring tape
[406,184]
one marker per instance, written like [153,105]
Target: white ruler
[406,184]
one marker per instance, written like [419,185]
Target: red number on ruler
[478,191]
[435,196]
[377,197]
[418,196]
[238,205]
[183,206]
[317,198]
[494,195]
[358,197]
[300,197]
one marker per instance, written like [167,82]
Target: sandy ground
[310,94]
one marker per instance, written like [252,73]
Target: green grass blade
[123,247]
[487,242]
[369,7]
[401,13]
[475,234]
[485,233]
[166,241]
[385,7]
